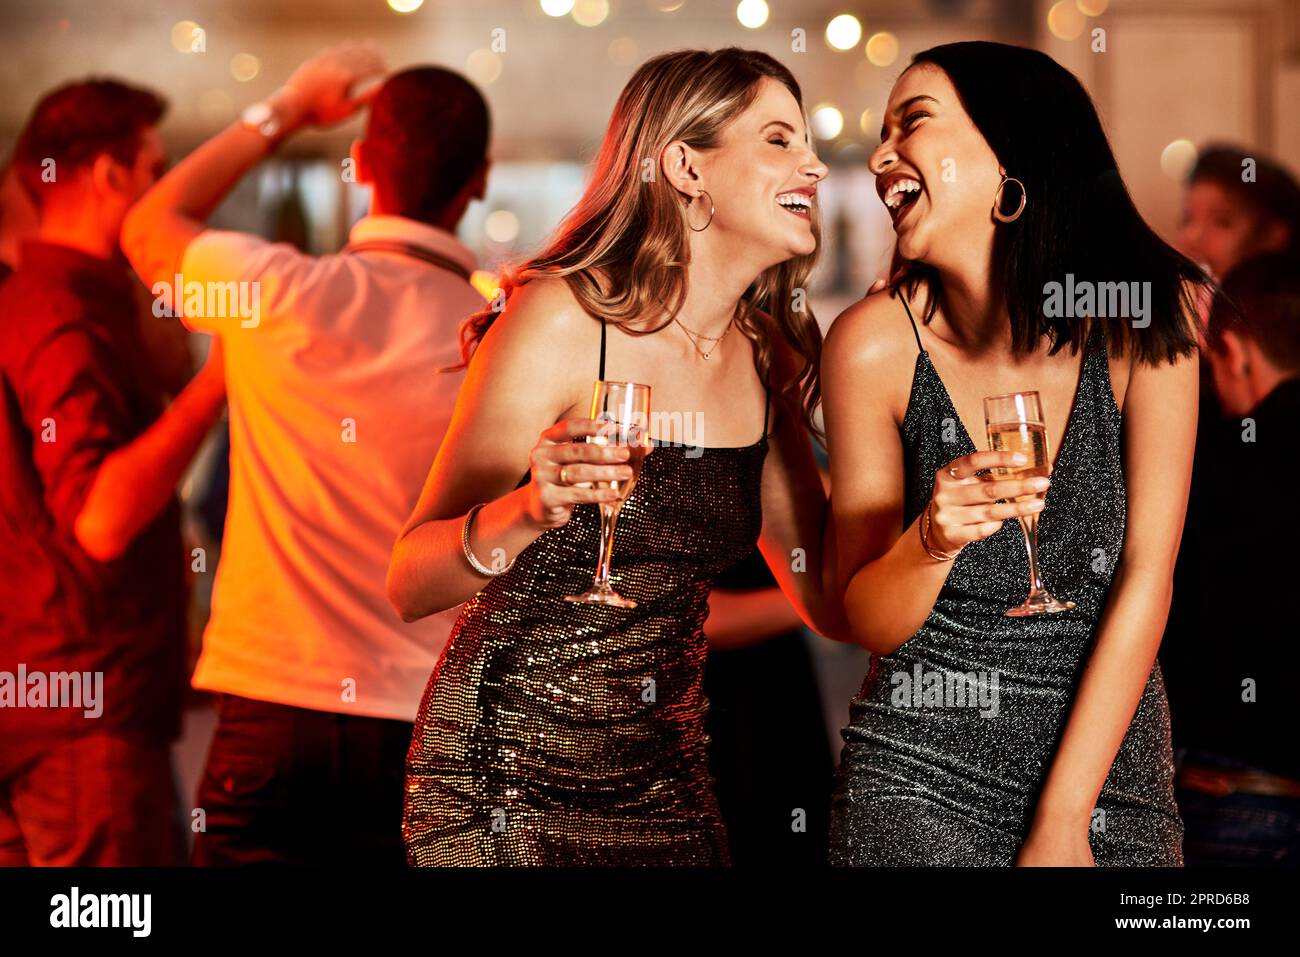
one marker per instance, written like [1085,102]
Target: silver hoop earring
[1000,216]
[689,203]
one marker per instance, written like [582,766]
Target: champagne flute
[624,407]
[1015,424]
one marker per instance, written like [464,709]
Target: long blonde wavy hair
[631,227]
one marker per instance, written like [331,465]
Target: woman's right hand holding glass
[965,507]
[564,470]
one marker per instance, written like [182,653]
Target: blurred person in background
[1229,651]
[18,218]
[336,408]
[1237,205]
[92,571]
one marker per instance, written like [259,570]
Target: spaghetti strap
[907,309]
[602,349]
[767,405]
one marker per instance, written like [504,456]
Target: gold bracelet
[924,528]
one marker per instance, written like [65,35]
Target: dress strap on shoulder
[903,299]
[602,349]
[767,406]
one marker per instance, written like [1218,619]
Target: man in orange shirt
[336,409]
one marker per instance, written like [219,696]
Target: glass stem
[608,518]
[1029,525]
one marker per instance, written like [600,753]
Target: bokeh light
[827,121]
[1065,21]
[556,8]
[483,66]
[1177,158]
[244,66]
[882,48]
[405,6]
[501,226]
[752,13]
[590,13]
[183,35]
[844,32]
[1092,8]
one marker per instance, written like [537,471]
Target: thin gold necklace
[695,337]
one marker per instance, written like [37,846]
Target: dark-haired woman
[560,733]
[979,738]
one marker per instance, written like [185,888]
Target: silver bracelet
[474,563]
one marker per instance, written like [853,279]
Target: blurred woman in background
[1237,206]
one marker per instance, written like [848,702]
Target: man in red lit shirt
[92,580]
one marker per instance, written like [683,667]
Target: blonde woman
[554,732]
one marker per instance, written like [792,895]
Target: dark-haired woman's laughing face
[935,172]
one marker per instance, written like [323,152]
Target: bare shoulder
[870,349]
[544,314]
[543,341]
[874,330]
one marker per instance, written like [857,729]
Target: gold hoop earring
[1000,216]
[688,214]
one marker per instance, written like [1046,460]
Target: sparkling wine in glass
[1015,424]
[624,409]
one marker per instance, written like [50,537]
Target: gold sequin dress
[553,733]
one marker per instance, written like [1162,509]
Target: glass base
[1040,604]
[602,596]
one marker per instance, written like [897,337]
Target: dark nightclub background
[1169,77]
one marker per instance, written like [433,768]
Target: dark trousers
[1238,829]
[286,785]
[99,799]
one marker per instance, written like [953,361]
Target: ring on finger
[952,471]
[564,476]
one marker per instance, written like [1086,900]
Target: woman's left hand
[1056,846]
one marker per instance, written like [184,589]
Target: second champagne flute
[624,407]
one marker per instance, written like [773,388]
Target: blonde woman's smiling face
[763,178]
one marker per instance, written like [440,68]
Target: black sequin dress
[926,781]
[554,733]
